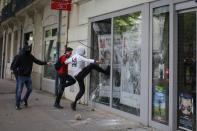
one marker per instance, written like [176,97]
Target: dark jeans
[80,78]
[65,81]
[16,77]
[23,80]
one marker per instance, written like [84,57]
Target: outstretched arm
[91,60]
[87,60]
[39,62]
[81,58]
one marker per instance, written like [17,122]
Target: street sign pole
[59,5]
[58,48]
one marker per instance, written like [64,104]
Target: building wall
[50,18]
[37,48]
[77,31]
[8,57]
[78,25]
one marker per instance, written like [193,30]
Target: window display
[160,65]
[100,84]
[50,52]
[187,71]
[127,63]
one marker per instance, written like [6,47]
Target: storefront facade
[151,48]
[149,44]
[33,23]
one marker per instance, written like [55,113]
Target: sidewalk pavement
[40,115]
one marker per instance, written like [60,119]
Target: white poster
[131,68]
[117,60]
[104,44]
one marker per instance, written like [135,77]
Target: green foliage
[126,22]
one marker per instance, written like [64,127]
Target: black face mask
[27,49]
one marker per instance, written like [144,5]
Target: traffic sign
[61,5]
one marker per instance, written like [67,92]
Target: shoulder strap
[61,58]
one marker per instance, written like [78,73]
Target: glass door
[121,41]
[160,69]
[186,79]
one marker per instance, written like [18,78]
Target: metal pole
[4,51]
[58,47]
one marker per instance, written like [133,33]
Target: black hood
[27,49]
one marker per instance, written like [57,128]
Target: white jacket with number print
[78,60]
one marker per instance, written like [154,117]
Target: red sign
[61,5]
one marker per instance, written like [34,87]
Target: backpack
[58,64]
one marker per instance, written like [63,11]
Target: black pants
[80,78]
[65,81]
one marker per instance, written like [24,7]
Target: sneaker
[73,106]
[18,108]
[24,102]
[107,70]
[58,106]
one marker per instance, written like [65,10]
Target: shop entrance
[186,93]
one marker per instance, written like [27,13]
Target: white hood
[80,50]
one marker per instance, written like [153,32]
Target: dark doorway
[186,71]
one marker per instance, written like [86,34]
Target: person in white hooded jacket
[78,62]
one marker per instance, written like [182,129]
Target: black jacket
[12,65]
[24,63]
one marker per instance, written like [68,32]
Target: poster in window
[185,112]
[104,44]
[117,60]
[131,68]
[159,102]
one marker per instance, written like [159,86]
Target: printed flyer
[159,103]
[185,113]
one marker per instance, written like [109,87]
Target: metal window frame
[174,6]
[144,9]
[184,7]
[50,27]
[158,125]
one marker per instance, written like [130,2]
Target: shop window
[50,52]
[101,39]
[50,55]
[54,32]
[160,65]
[126,77]
[186,113]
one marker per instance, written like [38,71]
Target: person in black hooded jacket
[23,64]
[15,71]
